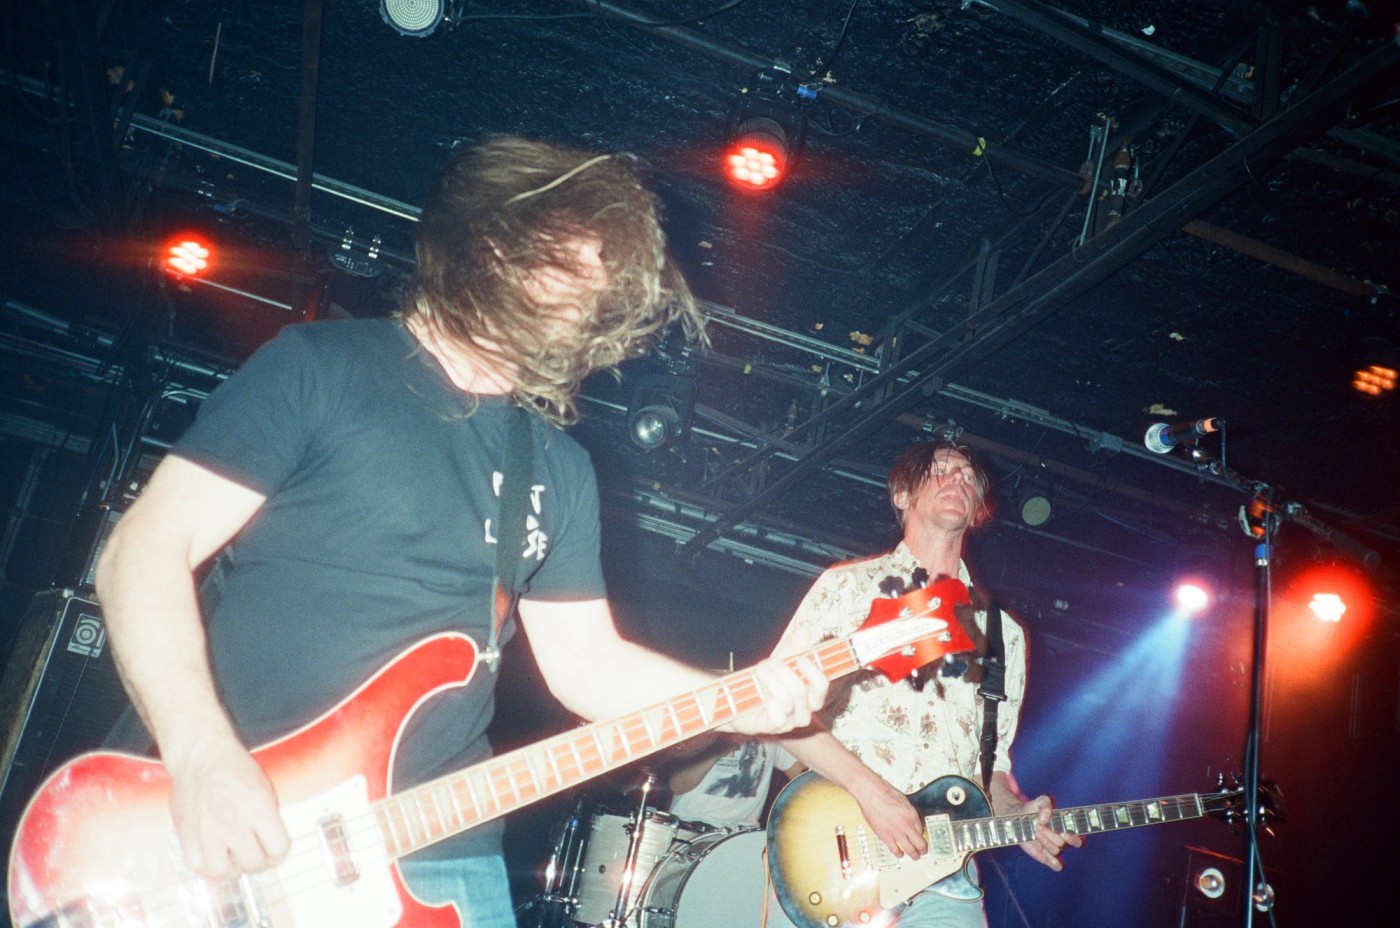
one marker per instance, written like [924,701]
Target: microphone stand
[1260,520]
[1258,893]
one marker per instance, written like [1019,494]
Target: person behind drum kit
[723,781]
[697,865]
[882,740]
[350,473]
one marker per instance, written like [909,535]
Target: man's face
[564,292]
[950,498]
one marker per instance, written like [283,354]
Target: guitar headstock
[929,629]
[1227,803]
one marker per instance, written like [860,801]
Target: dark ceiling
[1041,229]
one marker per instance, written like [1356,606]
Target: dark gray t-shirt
[379,530]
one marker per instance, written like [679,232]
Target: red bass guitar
[96,846]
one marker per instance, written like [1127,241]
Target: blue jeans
[478,885]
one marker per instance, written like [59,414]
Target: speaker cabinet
[59,696]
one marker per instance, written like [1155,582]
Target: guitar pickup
[337,845]
[843,852]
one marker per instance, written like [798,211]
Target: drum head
[719,882]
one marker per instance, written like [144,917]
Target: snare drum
[716,880]
[605,863]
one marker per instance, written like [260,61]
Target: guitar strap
[517,472]
[992,690]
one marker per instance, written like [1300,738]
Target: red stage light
[758,158]
[1374,380]
[187,256]
[1322,612]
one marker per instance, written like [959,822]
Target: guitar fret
[516,795]
[411,806]
[705,719]
[528,769]
[437,816]
[598,743]
[459,814]
[638,735]
[477,809]
[554,765]
[675,721]
[510,781]
[537,784]
[620,734]
[578,758]
[390,822]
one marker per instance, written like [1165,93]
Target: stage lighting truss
[420,18]
[766,131]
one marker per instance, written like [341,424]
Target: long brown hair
[509,206]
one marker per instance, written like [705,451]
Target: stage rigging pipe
[1279,258]
[312,17]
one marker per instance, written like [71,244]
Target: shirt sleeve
[256,427]
[1010,715]
[571,570]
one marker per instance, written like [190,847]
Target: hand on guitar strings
[1047,844]
[225,811]
[790,696]
[893,818]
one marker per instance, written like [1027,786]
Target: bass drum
[717,880]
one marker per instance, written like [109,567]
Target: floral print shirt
[909,737]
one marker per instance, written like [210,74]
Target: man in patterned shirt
[880,740]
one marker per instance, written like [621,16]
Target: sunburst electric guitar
[96,846]
[830,871]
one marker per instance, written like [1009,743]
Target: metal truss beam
[890,393]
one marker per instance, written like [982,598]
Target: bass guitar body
[97,845]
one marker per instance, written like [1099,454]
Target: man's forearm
[819,751]
[158,642]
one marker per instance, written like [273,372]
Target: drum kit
[646,869]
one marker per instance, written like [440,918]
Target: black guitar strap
[517,472]
[993,690]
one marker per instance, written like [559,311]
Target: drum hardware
[622,905]
[561,872]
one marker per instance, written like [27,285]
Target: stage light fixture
[1033,507]
[766,132]
[416,18]
[1192,597]
[661,404]
[187,256]
[1327,607]
[1376,365]
[1198,585]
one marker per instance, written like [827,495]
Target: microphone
[1162,437]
